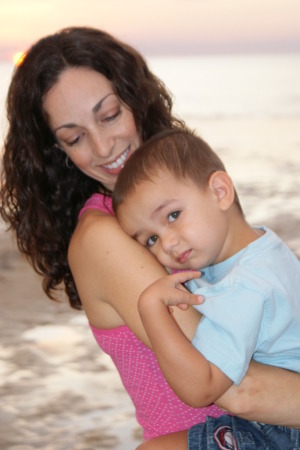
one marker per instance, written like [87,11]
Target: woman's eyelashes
[74,141]
[109,113]
[71,138]
[111,117]
[107,119]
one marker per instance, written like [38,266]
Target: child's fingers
[182,277]
[170,290]
[183,306]
[194,300]
[181,298]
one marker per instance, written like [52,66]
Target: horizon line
[7,55]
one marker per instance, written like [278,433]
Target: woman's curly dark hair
[40,196]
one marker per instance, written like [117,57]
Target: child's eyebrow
[166,203]
[161,206]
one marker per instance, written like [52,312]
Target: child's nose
[169,242]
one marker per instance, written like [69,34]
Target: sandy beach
[58,390]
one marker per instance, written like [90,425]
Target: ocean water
[248,109]
[233,86]
[52,373]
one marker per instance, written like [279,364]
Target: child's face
[181,224]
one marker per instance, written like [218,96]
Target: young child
[175,197]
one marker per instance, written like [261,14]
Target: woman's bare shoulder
[111,270]
[88,265]
[99,232]
[94,228]
[90,222]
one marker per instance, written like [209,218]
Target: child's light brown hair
[183,154]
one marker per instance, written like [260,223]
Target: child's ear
[222,187]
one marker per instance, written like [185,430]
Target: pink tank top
[158,410]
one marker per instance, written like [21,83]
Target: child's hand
[171,292]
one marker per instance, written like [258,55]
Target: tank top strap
[98,201]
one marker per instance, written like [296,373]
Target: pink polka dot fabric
[158,410]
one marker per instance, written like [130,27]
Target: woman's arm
[266,394]
[111,270]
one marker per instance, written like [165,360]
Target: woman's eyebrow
[99,104]
[95,109]
[66,125]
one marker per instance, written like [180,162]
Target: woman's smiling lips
[184,256]
[114,167]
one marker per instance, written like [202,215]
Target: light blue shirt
[252,308]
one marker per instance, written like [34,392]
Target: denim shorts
[232,433]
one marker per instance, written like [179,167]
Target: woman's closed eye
[108,115]
[111,117]
[69,136]
[74,141]
[173,216]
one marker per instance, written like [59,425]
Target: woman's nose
[102,145]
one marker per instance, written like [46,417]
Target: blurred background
[234,69]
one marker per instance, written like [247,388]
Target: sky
[159,27]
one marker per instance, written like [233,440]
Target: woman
[78,106]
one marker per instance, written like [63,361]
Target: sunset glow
[18,58]
[164,28]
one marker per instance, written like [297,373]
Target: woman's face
[90,123]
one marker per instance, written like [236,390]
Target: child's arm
[195,380]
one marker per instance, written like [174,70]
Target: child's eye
[151,241]
[173,216]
